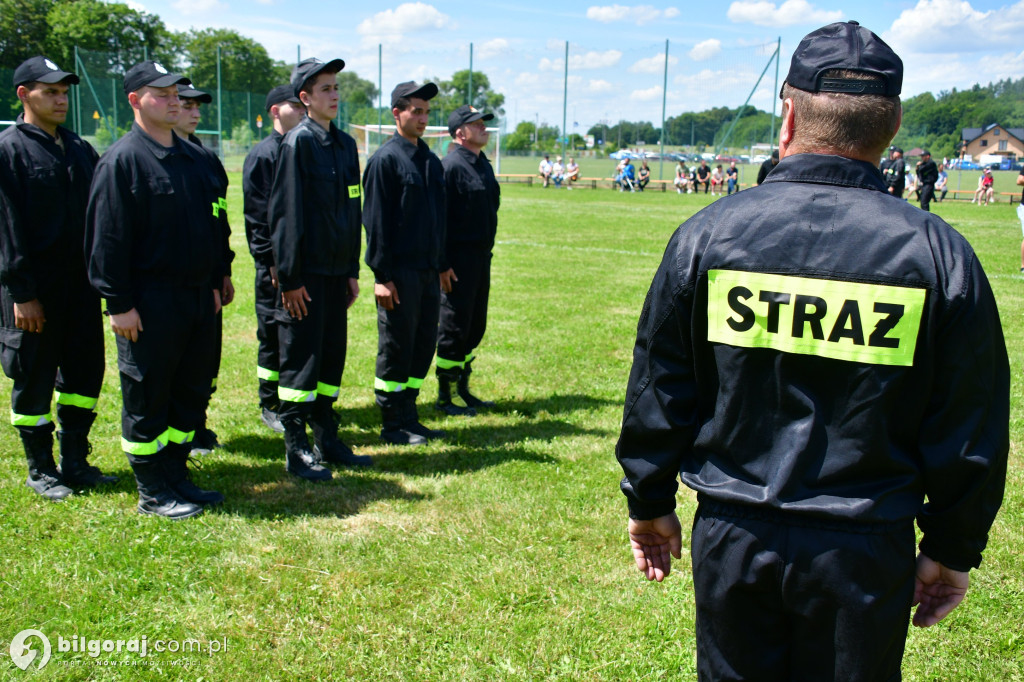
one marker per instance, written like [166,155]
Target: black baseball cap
[188,92]
[412,89]
[463,115]
[851,47]
[281,93]
[308,69]
[152,74]
[926,153]
[39,69]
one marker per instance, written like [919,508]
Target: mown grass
[498,554]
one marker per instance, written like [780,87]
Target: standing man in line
[767,166]
[205,440]
[404,213]
[156,254]
[315,223]
[52,334]
[927,176]
[473,198]
[820,394]
[896,173]
[285,111]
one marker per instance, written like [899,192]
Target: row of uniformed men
[151,218]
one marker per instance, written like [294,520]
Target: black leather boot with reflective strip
[175,459]
[43,476]
[300,459]
[445,379]
[470,399]
[326,444]
[156,498]
[74,465]
[394,430]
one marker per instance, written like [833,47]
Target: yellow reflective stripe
[150,448]
[414,383]
[224,203]
[295,396]
[266,374]
[353,191]
[173,435]
[388,386]
[327,389]
[216,209]
[213,384]
[470,357]
[854,321]
[449,364]
[30,419]
[75,400]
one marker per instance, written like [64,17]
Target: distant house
[994,139]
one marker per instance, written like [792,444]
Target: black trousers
[268,299]
[165,375]
[66,356]
[927,195]
[463,318]
[312,350]
[407,334]
[814,601]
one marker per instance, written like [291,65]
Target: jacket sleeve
[287,219]
[378,217]
[16,265]
[257,181]
[965,433]
[223,226]
[660,413]
[109,236]
[355,215]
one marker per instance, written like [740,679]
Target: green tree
[521,139]
[245,65]
[24,28]
[359,99]
[454,93]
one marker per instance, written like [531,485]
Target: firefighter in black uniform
[927,176]
[816,358]
[404,213]
[156,254]
[285,111]
[315,221]
[472,197]
[52,335]
[205,440]
[896,173]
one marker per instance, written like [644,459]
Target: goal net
[371,137]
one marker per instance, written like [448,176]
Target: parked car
[722,158]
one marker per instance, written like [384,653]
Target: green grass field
[498,554]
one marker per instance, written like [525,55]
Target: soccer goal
[370,137]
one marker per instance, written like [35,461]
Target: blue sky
[616,51]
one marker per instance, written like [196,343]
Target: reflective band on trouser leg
[75,400]
[150,448]
[295,396]
[267,374]
[414,383]
[327,390]
[30,419]
[213,384]
[470,357]
[448,364]
[387,386]
[175,436]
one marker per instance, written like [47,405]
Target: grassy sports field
[498,554]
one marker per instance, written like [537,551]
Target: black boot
[271,419]
[156,498]
[445,379]
[299,458]
[394,430]
[74,465]
[326,444]
[175,458]
[467,397]
[43,476]
[204,441]
[411,417]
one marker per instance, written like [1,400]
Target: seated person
[644,177]
[732,178]
[717,180]
[557,171]
[702,176]
[984,191]
[627,177]
[544,170]
[941,184]
[682,181]
[572,173]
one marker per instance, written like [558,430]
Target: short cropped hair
[851,124]
[307,87]
[402,103]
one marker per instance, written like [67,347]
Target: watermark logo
[23,655]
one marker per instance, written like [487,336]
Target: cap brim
[192,93]
[167,81]
[425,91]
[56,77]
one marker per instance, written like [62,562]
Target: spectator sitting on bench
[702,177]
[644,177]
[572,173]
[544,170]
[627,177]
[682,181]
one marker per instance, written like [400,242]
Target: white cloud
[527,80]
[934,26]
[492,48]
[390,26]
[705,50]
[555,44]
[639,14]
[648,95]
[655,64]
[589,60]
[190,7]
[789,13]
[599,86]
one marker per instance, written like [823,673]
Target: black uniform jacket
[314,205]
[153,220]
[404,209]
[473,199]
[928,173]
[43,195]
[896,174]
[222,192]
[821,349]
[257,183]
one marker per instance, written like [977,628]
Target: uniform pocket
[128,359]
[17,351]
